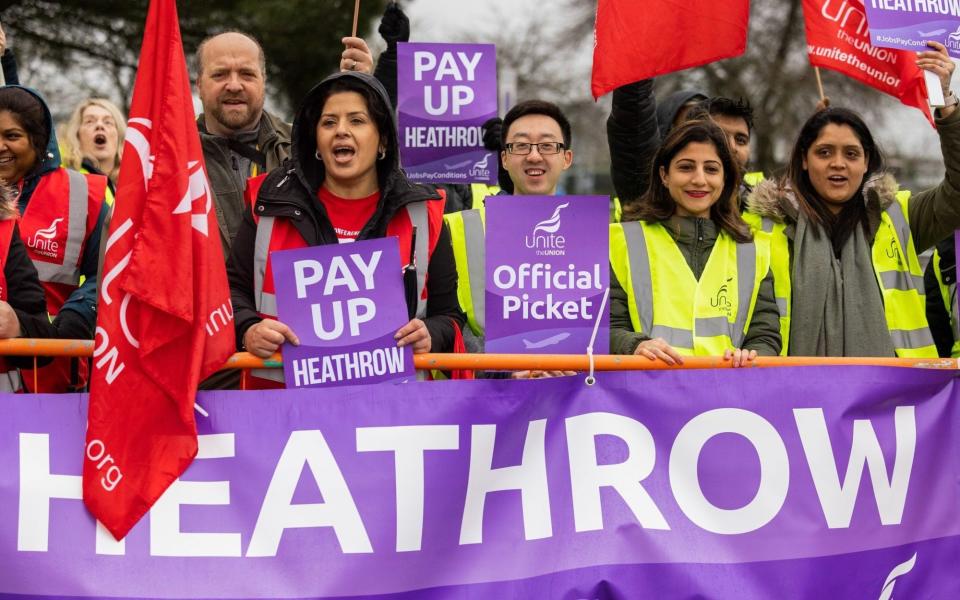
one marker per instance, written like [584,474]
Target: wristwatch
[950,100]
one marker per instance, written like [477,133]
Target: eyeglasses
[543,148]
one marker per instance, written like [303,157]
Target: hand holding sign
[265,338]
[356,56]
[416,335]
[346,303]
[938,62]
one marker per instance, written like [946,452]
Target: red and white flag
[637,39]
[838,39]
[165,319]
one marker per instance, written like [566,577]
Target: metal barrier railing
[503,362]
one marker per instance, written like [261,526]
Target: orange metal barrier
[608,362]
[503,362]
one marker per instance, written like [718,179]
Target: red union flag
[838,39]
[165,316]
[639,39]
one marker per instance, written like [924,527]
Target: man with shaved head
[239,138]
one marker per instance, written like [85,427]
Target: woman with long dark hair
[61,218]
[856,285]
[688,277]
[343,183]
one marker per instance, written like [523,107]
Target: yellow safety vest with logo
[774,235]
[467,229]
[948,293]
[898,272]
[701,318]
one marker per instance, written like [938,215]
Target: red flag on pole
[838,39]
[165,319]
[635,39]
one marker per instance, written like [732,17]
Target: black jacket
[633,137]
[291,192]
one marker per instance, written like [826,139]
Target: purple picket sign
[345,302]
[547,274]
[801,483]
[906,24]
[445,92]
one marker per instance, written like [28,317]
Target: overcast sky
[905,130]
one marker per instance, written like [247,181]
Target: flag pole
[823,97]
[356,17]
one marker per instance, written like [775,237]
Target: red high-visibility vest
[59,219]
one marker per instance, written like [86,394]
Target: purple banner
[345,302]
[445,92]
[547,274]
[751,484]
[907,24]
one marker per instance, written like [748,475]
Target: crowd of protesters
[825,259]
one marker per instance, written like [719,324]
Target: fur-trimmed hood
[775,199]
[8,201]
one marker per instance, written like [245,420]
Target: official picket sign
[819,483]
[445,92]
[345,302]
[910,24]
[547,273]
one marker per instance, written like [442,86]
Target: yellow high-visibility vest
[467,230]
[773,234]
[479,193]
[701,317]
[898,273]
[753,178]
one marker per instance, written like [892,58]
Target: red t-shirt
[348,215]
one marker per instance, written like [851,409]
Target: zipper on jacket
[285,178]
[698,246]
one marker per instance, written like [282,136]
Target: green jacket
[932,215]
[228,184]
[695,239]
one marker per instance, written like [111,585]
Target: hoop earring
[316,154]
[383,154]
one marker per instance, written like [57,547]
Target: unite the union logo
[481,167]
[953,40]
[42,241]
[545,238]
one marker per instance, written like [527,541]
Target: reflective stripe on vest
[774,235]
[417,211]
[69,272]
[266,303]
[897,269]
[660,314]
[10,381]
[469,253]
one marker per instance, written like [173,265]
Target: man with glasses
[536,150]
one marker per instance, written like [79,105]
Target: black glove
[394,25]
[491,134]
